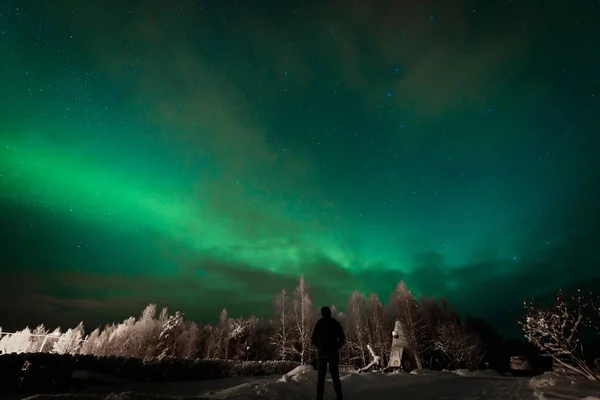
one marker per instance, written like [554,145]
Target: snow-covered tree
[144,334]
[171,330]
[18,342]
[556,331]
[283,335]
[50,340]
[250,342]
[217,337]
[243,336]
[38,335]
[224,334]
[237,334]
[103,346]
[90,342]
[70,341]
[188,342]
[303,318]
[211,348]
[119,343]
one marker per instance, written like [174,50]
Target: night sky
[204,155]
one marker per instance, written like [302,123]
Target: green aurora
[205,157]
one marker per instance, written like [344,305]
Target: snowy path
[302,385]
[182,389]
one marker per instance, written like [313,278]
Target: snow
[551,385]
[482,373]
[300,384]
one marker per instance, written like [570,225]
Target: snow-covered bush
[556,330]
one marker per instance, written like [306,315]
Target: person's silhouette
[328,337]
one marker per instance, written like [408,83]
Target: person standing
[328,337]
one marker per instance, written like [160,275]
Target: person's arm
[341,336]
[315,338]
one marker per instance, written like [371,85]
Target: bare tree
[434,313]
[283,338]
[346,352]
[462,348]
[594,320]
[262,347]
[379,337]
[212,347]
[303,318]
[357,335]
[223,332]
[556,331]
[188,342]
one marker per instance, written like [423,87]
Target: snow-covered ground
[300,384]
[552,386]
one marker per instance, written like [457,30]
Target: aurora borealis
[204,155]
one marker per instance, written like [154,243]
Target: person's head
[325,312]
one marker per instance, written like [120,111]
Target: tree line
[435,335]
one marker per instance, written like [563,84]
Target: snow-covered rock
[480,373]
[545,379]
[299,371]
[424,371]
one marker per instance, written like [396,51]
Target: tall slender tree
[380,339]
[357,323]
[303,318]
[223,335]
[282,338]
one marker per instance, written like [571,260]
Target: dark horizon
[204,157]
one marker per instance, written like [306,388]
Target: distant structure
[519,363]
[399,347]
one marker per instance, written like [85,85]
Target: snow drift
[552,385]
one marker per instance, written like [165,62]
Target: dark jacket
[328,336]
